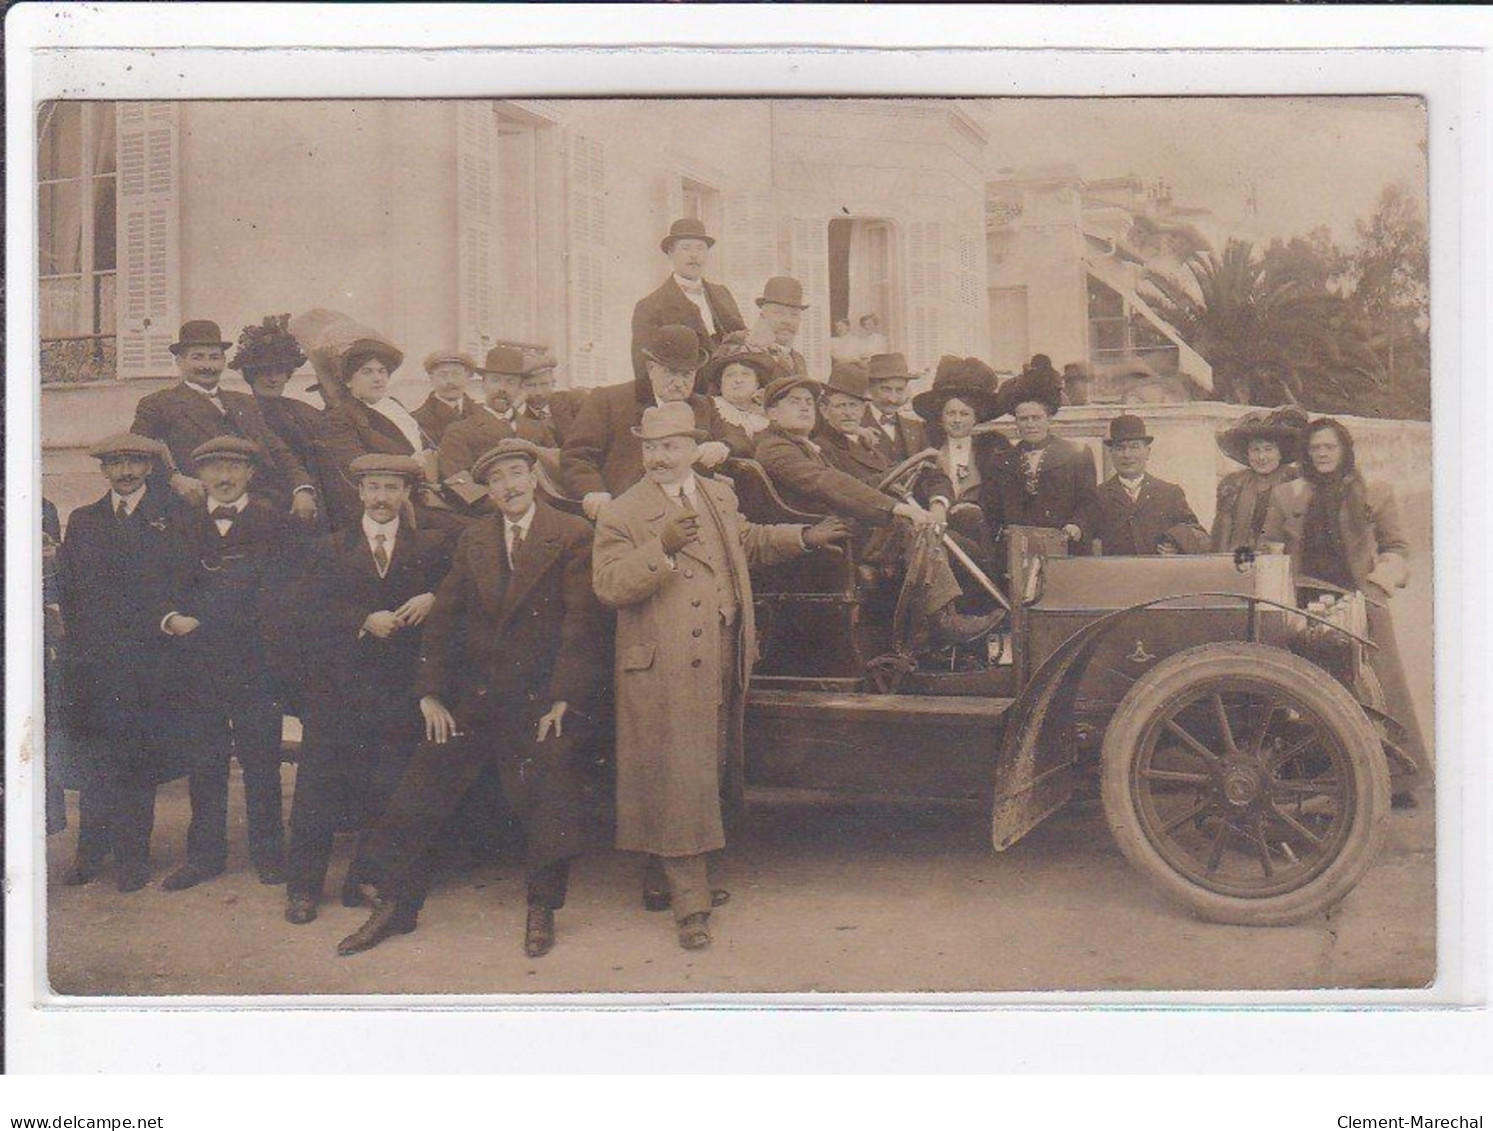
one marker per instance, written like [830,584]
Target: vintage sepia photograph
[856,545]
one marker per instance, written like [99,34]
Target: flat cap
[227,447]
[785,385]
[441,357]
[379,464]
[128,444]
[511,448]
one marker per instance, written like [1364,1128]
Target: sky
[1311,161]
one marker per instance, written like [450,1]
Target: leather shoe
[189,875]
[694,931]
[133,876]
[355,895]
[388,918]
[953,627]
[300,910]
[539,934]
[271,874]
[82,871]
[655,900]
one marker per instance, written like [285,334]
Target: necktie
[227,514]
[121,510]
[515,544]
[380,554]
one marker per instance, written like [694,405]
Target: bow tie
[224,514]
[888,419]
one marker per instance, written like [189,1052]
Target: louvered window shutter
[148,248]
[476,144]
[588,260]
[748,252]
[810,266]
[925,293]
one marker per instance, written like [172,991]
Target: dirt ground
[821,901]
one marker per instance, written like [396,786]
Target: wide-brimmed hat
[1041,386]
[513,447]
[1127,427]
[675,418]
[453,357]
[851,378]
[1285,426]
[783,290]
[128,444]
[884,366]
[267,348]
[199,332]
[687,229]
[363,349]
[957,381]
[227,447]
[677,348]
[377,463]
[781,387]
[734,350]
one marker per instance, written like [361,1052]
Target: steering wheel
[900,480]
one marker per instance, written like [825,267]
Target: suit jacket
[602,454]
[116,579]
[182,419]
[564,407]
[911,438]
[473,435]
[1065,490]
[670,681]
[435,415]
[866,462]
[809,482]
[351,679]
[669,306]
[350,430]
[1160,512]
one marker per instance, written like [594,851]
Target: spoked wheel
[1246,783]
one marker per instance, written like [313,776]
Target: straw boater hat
[511,448]
[227,447]
[199,332]
[661,421]
[128,444]
[734,350]
[687,229]
[267,348]
[1285,426]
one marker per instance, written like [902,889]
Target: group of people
[417,588]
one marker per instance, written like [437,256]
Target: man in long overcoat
[672,556]
[1137,513]
[364,592]
[117,571]
[684,298]
[517,645]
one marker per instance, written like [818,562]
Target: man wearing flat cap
[673,556]
[363,594]
[781,309]
[602,456]
[117,573]
[684,298]
[450,373]
[1138,514]
[242,553]
[196,410]
[551,410]
[497,419]
[511,667]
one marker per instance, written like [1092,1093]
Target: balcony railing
[85,357]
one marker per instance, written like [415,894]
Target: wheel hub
[1241,785]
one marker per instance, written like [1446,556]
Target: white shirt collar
[457,403]
[1132,486]
[521,524]
[372,528]
[238,504]
[690,286]
[206,392]
[687,487]
[130,501]
[508,416]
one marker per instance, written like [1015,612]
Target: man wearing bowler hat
[196,410]
[781,306]
[511,668]
[602,456]
[684,298]
[450,373]
[498,418]
[896,432]
[242,550]
[672,556]
[1137,513]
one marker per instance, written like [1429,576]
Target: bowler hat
[850,378]
[199,332]
[686,229]
[267,348]
[783,290]
[377,463]
[677,348]
[1127,427]
[1284,426]
[735,351]
[512,447]
[676,418]
[128,444]
[360,351]
[884,366]
[503,361]
[227,447]
[785,385]
[442,357]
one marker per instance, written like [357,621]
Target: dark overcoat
[183,419]
[350,430]
[809,482]
[1064,491]
[299,424]
[989,451]
[669,674]
[483,430]
[602,454]
[1134,528]
[670,306]
[435,415]
[116,580]
[502,646]
[866,462]
[564,406]
[1232,529]
[912,436]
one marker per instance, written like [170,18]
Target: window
[77,196]
[860,273]
[1120,333]
[698,201]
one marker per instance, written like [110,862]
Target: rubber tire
[1332,702]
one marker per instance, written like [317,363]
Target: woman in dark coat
[1345,531]
[1268,444]
[734,377]
[962,483]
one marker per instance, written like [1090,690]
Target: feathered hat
[267,348]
